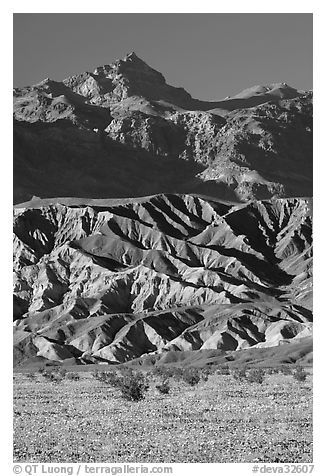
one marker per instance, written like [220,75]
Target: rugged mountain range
[121,131]
[214,258]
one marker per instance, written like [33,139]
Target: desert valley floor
[162,271]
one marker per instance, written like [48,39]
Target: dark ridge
[265,270]
[178,203]
[244,221]
[114,227]
[128,212]
[166,210]
[161,222]
[244,327]
[26,224]
[104,262]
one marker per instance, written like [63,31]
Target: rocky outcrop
[112,280]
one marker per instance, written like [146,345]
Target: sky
[211,55]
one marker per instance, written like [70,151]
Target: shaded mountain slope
[110,281]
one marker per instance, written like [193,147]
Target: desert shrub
[271,370]
[223,370]
[132,384]
[158,372]
[168,372]
[164,387]
[72,376]
[56,378]
[191,376]
[111,378]
[255,375]
[52,376]
[31,375]
[239,374]
[62,372]
[286,370]
[300,374]
[95,374]
[100,375]
[47,374]
[206,372]
[176,373]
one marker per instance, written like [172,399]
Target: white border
[169,6]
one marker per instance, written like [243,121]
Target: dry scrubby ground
[222,419]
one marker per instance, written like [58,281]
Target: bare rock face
[122,131]
[115,280]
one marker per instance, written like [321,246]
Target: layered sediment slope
[116,280]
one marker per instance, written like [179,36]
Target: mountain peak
[132,57]
[131,65]
[278,90]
